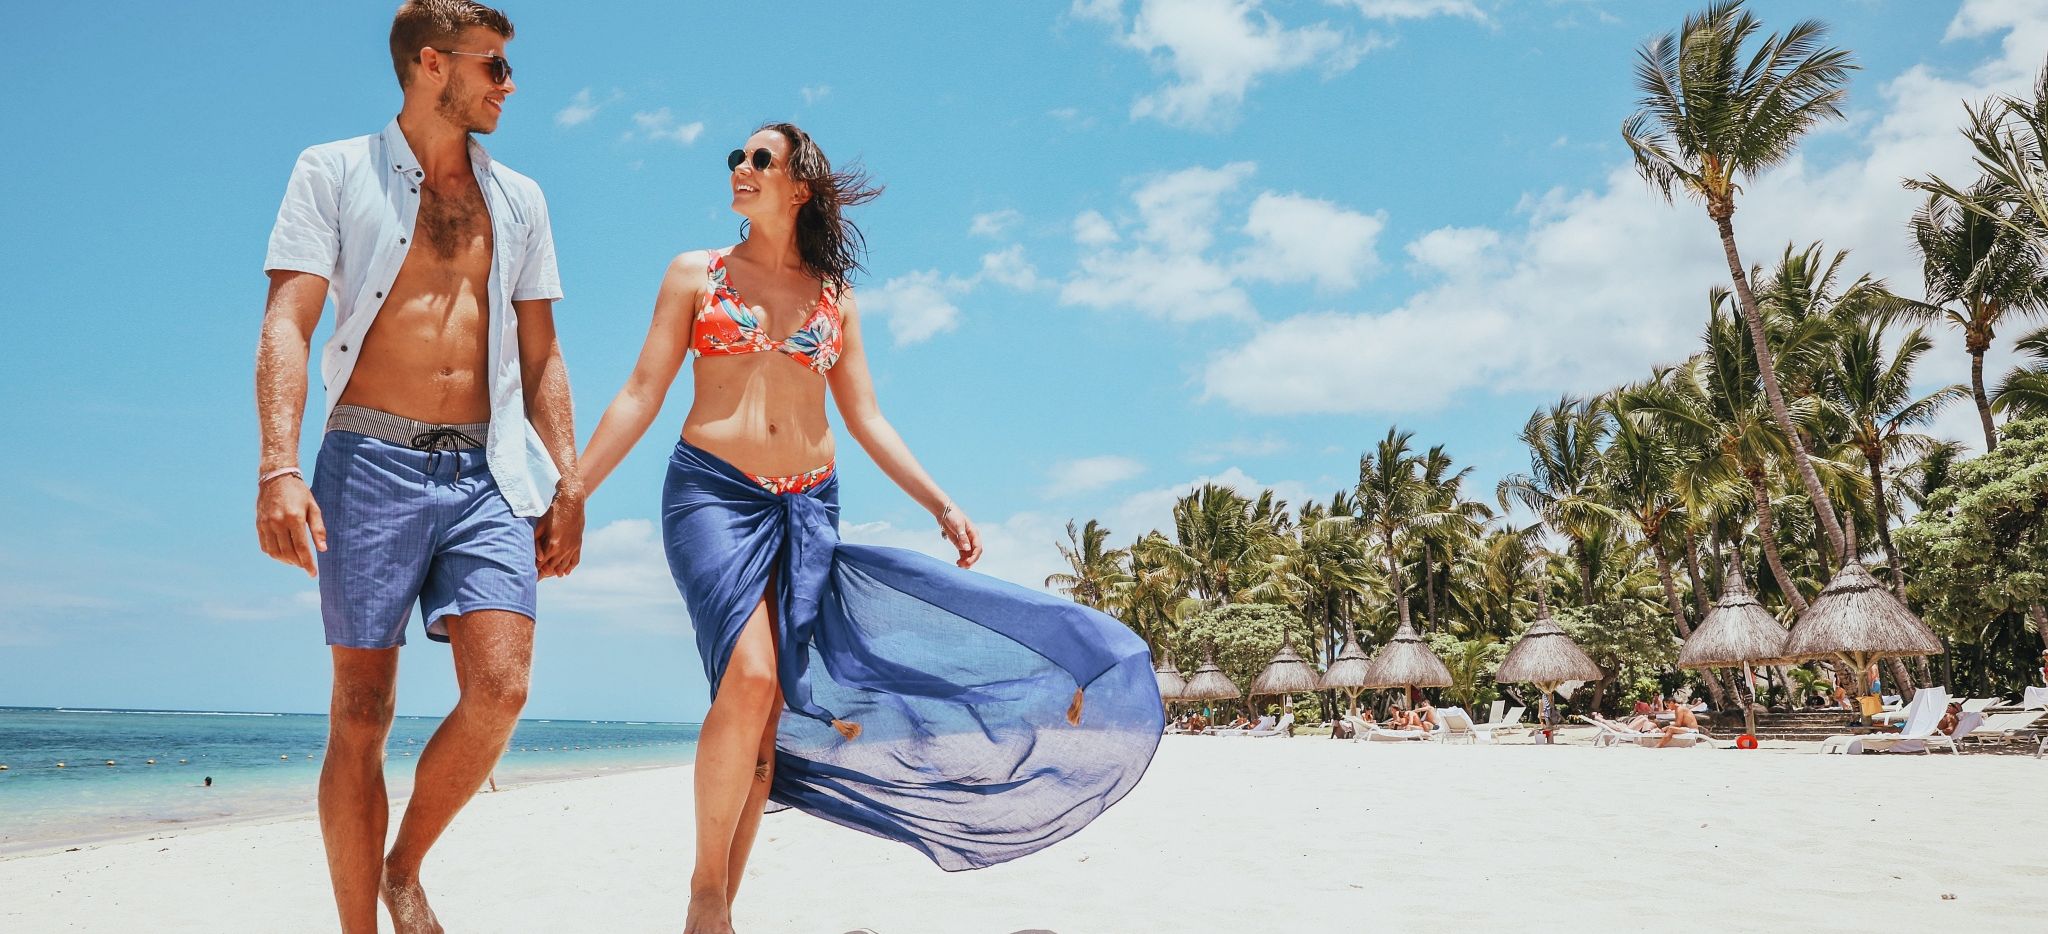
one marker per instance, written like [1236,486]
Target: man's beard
[450,108]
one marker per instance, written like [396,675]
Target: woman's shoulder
[697,260]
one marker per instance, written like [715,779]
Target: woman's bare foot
[407,903]
[710,913]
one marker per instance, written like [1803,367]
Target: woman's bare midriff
[763,413]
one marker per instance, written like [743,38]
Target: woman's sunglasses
[501,70]
[761,158]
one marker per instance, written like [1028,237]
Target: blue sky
[1125,247]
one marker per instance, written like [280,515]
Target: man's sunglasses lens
[761,159]
[501,70]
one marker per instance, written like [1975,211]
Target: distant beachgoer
[1198,723]
[448,459]
[1682,721]
[1950,718]
[1342,729]
[209,781]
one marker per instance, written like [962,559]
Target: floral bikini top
[727,325]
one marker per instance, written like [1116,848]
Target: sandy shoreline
[1237,835]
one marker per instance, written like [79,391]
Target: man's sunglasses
[761,157]
[501,70]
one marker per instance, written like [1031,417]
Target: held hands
[955,527]
[285,514]
[558,536]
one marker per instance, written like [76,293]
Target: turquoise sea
[262,765]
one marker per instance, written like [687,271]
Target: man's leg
[493,657]
[353,808]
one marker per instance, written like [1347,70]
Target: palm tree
[1875,393]
[1213,535]
[1562,486]
[1707,118]
[2024,392]
[1711,404]
[1979,274]
[2010,135]
[1449,527]
[1096,571]
[1391,497]
[1639,473]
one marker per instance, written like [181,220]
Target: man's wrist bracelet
[279,472]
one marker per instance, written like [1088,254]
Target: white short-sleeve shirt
[348,216]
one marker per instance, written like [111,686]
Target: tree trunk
[1901,677]
[1700,601]
[1585,576]
[1678,618]
[1884,526]
[1823,506]
[1983,402]
[2040,615]
[1767,530]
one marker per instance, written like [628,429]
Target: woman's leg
[757,802]
[727,753]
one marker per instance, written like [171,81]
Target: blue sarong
[994,720]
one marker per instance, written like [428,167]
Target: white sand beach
[1224,835]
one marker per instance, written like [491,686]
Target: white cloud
[1297,238]
[1415,9]
[815,92]
[1454,251]
[1008,266]
[1092,229]
[661,124]
[917,305]
[1164,273]
[993,223]
[1152,510]
[1101,11]
[1088,474]
[1595,287]
[581,108]
[623,580]
[1215,51]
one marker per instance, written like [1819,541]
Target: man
[446,475]
[1682,721]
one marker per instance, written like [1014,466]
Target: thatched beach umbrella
[1285,675]
[1407,662]
[1546,657]
[1171,684]
[1858,621]
[1347,673]
[1209,682]
[1737,632]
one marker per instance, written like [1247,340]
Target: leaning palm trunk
[1699,584]
[1823,507]
[1884,527]
[2040,615]
[1767,531]
[1678,618]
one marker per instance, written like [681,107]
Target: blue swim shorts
[407,525]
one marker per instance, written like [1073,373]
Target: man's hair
[425,23]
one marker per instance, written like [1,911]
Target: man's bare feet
[710,913]
[407,902]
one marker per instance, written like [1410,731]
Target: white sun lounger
[2003,727]
[1284,728]
[1458,725]
[1265,723]
[1383,735]
[1923,715]
[1513,722]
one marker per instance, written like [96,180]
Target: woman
[931,705]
